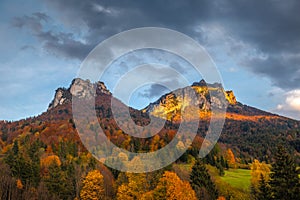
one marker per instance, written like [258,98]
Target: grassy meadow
[238,178]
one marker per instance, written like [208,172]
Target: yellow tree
[93,186]
[230,158]
[258,169]
[171,187]
[155,144]
[135,188]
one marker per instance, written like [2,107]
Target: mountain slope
[172,103]
[250,132]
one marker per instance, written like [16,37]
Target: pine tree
[264,190]
[284,182]
[15,148]
[56,181]
[223,163]
[201,181]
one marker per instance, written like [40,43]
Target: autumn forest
[43,158]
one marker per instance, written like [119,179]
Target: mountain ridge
[245,128]
[78,87]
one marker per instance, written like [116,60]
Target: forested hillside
[42,157]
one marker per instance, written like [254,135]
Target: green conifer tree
[264,190]
[284,181]
[201,181]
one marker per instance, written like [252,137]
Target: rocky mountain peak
[62,95]
[201,83]
[207,96]
[79,88]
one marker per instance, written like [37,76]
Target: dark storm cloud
[155,90]
[59,43]
[270,27]
[26,47]
[34,22]
[64,45]
[126,14]
[105,18]
[283,70]
[273,28]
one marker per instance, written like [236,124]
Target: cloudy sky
[255,45]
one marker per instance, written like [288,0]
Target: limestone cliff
[79,88]
[200,94]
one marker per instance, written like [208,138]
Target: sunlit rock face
[200,95]
[230,97]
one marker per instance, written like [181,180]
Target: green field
[238,178]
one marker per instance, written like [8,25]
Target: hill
[43,157]
[245,129]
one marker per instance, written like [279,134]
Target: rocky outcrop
[207,96]
[230,97]
[62,95]
[79,88]
[85,89]
[201,95]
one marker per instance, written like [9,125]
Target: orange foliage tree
[47,161]
[231,159]
[171,187]
[93,186]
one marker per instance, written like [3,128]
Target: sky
[254,44]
